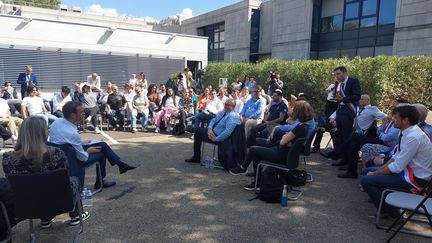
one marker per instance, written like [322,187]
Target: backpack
[271,185]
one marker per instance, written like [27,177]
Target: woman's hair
[302,111]
[150,89]
[32,138]
[164,99]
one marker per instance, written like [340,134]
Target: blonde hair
[32,138]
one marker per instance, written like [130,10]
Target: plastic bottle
[89,198]
[284,200]
[83,197]
[207,162]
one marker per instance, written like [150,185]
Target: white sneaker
[97,131]
[88,119]
[157,130]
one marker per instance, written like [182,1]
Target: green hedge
[384,78]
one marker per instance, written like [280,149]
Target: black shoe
[106,184]
[341,163]
[123,168]
[330,155]
[237,171]
[46,224]
[250,187]
[76,220]
[315,150]
[348,175]
[192,160]
[343,167]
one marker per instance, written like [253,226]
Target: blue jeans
[101,157]
[144,119]
[119,115]
[200,117]
[374,185]
[49,118]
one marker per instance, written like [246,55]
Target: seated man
[276,115]
[7,119]
[411,165]
[219,129]
[367,114]
[253,110]
[213,107]
[116,107]
[64,131]
[59,100]
[88,100]
[34,105]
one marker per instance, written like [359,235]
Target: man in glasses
[252,113]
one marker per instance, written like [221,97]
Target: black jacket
[232,151]
[352,91]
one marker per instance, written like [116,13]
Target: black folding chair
[307,151]
[44,195]
[292,162]
[8,225]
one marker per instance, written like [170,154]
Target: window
[216,40]
[352,10]
[368,22]
[387,13]
[369,7]
[351,25]
[331,24]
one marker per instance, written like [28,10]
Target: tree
[35,3]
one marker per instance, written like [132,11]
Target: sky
[152,9]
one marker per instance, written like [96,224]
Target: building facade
[253,30]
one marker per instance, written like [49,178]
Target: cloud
[185,14]
[99,10]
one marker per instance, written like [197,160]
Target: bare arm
[287,138]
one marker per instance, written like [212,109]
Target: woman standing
[31,155]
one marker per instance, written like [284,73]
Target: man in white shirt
[59,100]
[239,104]
[214,105]
[7,119]
[94,82]
[411,165]
[64,131]
[35,106]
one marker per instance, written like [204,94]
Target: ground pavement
[168,200]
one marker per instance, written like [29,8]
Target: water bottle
[284,200]
[207,162]
[83,197]
[88,198]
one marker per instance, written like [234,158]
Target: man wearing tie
[348,93]
[25,79]
[219,129]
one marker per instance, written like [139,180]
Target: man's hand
[94,149]
[211,135]
[370,173]
[378,160]
[338,98]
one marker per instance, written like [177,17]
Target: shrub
[384,78]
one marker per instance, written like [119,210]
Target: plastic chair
[292,162]
[50,195]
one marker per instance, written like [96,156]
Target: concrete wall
[332,8]
[292,26]
[413,28]
[266,27]
[237,27]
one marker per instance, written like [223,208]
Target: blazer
[22,80]
[352,91]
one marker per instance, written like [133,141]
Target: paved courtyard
[167,200]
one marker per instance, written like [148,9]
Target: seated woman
[277,154]
[186,109]
[31,155]
[140,106]
[202,100]
[169,107]
[154,98]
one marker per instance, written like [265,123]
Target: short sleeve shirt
[275,109]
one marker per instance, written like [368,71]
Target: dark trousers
[200,135]
[344,122]
[92,112]
[118,115]
[258,131]
[350,149]
[58,114]
[105,153]
[330,107]
[273,154]
[203,116]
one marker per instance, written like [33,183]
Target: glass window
[352,10]
[337,23]
[351,25]
[216,36]
[222,36]
[387,14]
[368,22]
[369,7]
[325,24]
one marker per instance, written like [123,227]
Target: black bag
[271,186]
[296,177]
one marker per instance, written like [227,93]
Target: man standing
[64,131]
[253,111]
[411,165]
[26,79]
[274,82]
[348,94]
[219,129]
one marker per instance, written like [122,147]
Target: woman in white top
[169,107]
[35,106]
[140,105]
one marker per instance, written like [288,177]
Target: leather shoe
[125,167]
[192,160]
[106,184]
[341,163]
[348,175]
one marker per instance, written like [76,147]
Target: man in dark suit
[348,93]
[25,79]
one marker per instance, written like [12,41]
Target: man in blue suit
[25,79]
[348,93]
